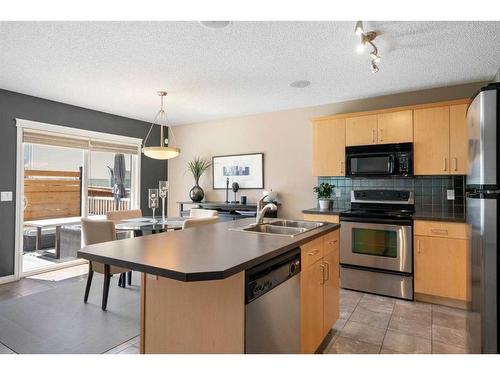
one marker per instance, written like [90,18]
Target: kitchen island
[193,283]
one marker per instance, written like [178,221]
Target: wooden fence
[56,194]
[51,194]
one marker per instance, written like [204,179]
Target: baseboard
[450,302]
[7,279]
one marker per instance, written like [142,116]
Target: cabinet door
[331,290]
[431,141]
[458,140]
[442,267]
[395,127]
[361,130]
[328,147]
[311,307]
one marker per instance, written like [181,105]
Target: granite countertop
[208,252]
[317,211]
[439,216]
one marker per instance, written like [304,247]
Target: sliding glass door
[62,178]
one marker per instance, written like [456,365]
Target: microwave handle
[391,164]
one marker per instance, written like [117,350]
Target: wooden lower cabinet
[319,289]
[442,267]
[320,217]
[331,292]
[311,307]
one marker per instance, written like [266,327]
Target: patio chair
[97,231]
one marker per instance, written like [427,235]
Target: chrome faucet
[261,211]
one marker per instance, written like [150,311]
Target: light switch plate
[337,192]
[6,196]
[450,194]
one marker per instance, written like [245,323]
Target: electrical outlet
[338,192]
[6,196]
[450,194]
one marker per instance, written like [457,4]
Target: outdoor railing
[101,205]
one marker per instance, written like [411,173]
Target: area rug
[57,320]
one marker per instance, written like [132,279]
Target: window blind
[62,140]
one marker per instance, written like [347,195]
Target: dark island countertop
[317,211]
[208,252]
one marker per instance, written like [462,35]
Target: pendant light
[164,151]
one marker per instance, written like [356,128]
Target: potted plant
[324,191]
[197,167]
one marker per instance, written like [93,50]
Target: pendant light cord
[163,120]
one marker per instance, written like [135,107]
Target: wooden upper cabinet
[328,148]
[431,141]
[361,130]
[395,127]
[458,140]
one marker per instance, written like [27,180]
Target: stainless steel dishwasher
[272,298]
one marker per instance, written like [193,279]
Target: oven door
[370,164]
[376,245]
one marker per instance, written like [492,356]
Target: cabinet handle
[381,135]
[455,163]
[418,246]
[332,242]
[439,231]
[445,164]
[374,136]
[342,170]
[322,281]
[313,253]
[327,271]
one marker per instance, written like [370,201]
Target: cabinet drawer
[331,242]
[311,252]
[441,229]
[320,217]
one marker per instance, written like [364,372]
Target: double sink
[289,228]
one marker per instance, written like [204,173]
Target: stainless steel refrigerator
[482,215]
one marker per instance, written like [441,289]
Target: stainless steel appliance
[379,160]
[376,243]
[272,296]
[482,215]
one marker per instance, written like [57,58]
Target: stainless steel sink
[296,224]
[289,228]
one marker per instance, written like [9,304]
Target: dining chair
[97,231]
[117,216]
[195,222]
[202,212]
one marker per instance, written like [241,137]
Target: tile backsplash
[430,191]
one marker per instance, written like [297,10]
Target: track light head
[358,30]
[374,67]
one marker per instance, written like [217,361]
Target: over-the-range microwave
[379,160]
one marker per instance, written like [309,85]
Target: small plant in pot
[197,167]
[324,191]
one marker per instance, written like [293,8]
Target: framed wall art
[246,169]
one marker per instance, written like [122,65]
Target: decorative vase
[196,193]
[324,204]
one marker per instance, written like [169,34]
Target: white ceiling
[246,68]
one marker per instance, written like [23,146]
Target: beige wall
[285,139]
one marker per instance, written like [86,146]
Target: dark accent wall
[430,191]
[14,105]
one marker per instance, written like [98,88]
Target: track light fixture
[367,38]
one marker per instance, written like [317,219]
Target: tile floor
[367,323]
[375,324]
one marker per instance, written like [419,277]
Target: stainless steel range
[376,243]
